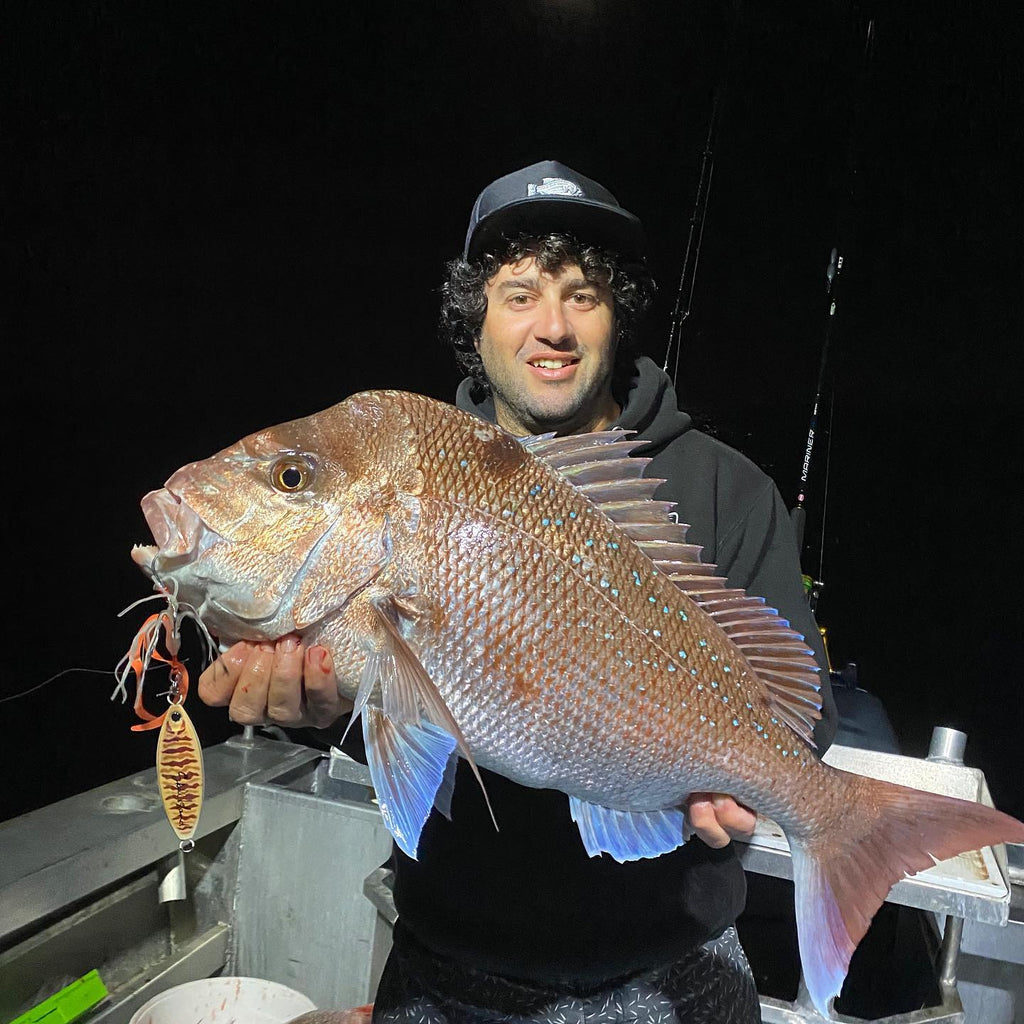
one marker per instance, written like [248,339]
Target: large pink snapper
[526,605]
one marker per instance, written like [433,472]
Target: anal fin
[627,835]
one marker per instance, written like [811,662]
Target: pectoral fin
[407,764]
[411,708]
[443,798]
[627,835]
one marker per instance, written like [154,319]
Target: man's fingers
[700,812]
[218,681]
[284,697]
[323,704]
[281,683]
[734,817]
[717,818]
[249,701]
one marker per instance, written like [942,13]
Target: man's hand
[278,684]
[718,819]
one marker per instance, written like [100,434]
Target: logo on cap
[554,187]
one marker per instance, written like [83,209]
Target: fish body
[528,606]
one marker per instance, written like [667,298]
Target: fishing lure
[179,755]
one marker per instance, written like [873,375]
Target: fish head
[277,531]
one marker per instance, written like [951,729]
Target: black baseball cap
[548,196]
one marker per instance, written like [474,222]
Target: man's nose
[553,326]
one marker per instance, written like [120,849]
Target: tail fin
[843,875]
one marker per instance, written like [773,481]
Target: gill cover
[379,499]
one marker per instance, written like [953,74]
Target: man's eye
[584,299]
[519,300]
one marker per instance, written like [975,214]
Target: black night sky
[226,215]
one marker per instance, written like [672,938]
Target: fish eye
[290,474]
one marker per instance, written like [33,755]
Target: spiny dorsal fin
[600,467]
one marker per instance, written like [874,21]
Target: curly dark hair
[463,303]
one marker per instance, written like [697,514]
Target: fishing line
[64,672]
[46,682]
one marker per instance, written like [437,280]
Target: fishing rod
[695,236]
[799,512]
[688,275]
[815,584]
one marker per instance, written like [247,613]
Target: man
[521,924]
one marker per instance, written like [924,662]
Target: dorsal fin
[600,467]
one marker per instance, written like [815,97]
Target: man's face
[548,348]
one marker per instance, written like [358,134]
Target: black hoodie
[527,902]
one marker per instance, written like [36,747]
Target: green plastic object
[69,1003]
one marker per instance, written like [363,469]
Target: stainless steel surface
[172,884]
[120,935]
[61,854]
[378,888]
[203,957]
[970,886]
[1003,944]
[308,840]
[774,1011]
[947,745]
[299,883]
[949,951]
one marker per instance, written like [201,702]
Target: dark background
[222,216]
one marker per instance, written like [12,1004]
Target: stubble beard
[563,409]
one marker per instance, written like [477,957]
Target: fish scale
[528,606]
[555,523]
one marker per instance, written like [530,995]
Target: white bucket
[224,1001]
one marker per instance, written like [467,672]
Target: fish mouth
[176,529]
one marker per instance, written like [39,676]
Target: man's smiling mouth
[553,362]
